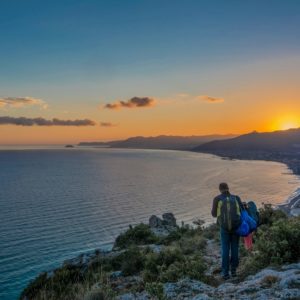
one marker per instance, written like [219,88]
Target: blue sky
[83,53]
[84,41]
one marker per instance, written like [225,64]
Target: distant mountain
[277,141]
[160,142]
[281,146]
[98,144]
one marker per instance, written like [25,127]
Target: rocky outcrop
[163,227]
[266,285]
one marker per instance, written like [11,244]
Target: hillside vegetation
[148,265]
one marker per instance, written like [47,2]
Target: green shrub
[35,286]
[138,235]
[191,245]
[156,290]
[129,262]
[172,264]
[280,243]
[275,244]
[212,232]
[268,215]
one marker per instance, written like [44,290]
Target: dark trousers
[230,251]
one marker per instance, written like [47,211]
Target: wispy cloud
[134,102]
[183,95]
[21,102]
[210,99]
[23,121]
[107,124]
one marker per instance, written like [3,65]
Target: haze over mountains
[160,142]
[281,146]
[277,141]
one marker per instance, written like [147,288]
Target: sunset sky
[87,70]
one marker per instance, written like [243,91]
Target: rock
[267,284]
[136,296]
[291,266]
[202,297]
[162,228]
[289,294]
[155,248]
[94,295]
[116,274]
[186,289]
[169,219]
[155,221]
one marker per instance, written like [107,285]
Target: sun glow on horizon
[287,122]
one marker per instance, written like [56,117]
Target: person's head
[223,187]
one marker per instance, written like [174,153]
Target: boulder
[169,219]
[155,221]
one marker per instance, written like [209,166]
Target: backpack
[229,212]
[253,212]
[249,220]
[248,224]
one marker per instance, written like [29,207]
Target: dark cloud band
[107,124]
[21,101]
[134,102]
[23,121]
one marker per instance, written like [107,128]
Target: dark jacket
[218,198]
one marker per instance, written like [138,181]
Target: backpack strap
[240,203]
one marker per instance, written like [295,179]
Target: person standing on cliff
[227,209]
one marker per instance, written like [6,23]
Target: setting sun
[289,125]
[285,122]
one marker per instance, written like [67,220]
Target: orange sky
[206,75]
[181,114]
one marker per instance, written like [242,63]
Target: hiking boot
[226,277]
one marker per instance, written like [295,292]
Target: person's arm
[240,203]
[215,207]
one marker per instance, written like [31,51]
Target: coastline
[291,205]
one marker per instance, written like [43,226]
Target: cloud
[21,101]
[183,95]
[210,99]
[23,121]
[107,124]
[131,103]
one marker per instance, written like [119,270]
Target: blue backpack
[248,223]
[253,212]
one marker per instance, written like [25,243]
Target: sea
[57,202]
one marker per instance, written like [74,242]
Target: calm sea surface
[57,203]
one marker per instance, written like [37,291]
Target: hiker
[248,240]
[227,208]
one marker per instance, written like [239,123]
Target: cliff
[162,260]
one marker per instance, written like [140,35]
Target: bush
[156,289]
[171,265]
[276,244]
[129,262]
[268,215]
[192,245]
[212,232]
[280,243]
[35,286]
[138,235]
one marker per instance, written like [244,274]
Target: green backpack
[229,213]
